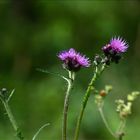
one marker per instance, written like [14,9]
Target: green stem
[105,121]
[66,106]
[39,130]
[120,131]
[120,138]
[85,100]
[12,120]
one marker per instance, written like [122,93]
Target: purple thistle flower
[116,45]
[115,48]
[73,60]
[119,45]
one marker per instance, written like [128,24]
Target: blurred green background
[31,35]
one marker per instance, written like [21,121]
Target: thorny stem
[12,120]
[85,99]
[66,105]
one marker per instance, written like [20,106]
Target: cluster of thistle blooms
[113,51]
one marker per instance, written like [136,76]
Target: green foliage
[33,32]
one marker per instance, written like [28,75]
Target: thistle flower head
[118,45]
[73,60]
[115,48]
